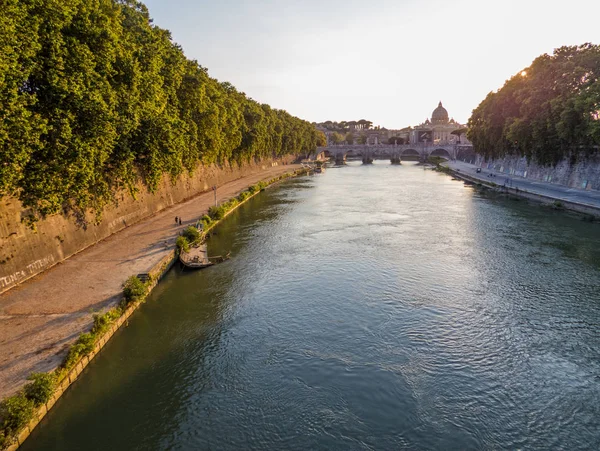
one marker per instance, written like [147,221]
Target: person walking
[176,219]
[179,220]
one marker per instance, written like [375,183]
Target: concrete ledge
[23,435]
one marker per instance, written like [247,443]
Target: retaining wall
[583,174]
[567,205]
[25,252]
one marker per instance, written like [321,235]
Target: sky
[387,61]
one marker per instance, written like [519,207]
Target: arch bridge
[394,153]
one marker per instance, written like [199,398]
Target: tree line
[94,98]
[547,112]
[345,126]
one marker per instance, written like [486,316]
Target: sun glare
[524,73]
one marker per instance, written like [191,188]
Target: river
[369,307]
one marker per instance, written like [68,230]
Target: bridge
[393,152]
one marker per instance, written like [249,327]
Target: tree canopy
[94,98]
[547,112]
[396,140]
[345,126]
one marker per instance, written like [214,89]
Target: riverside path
[42,317]
[558,192]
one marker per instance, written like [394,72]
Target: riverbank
[41,318]
[581,201]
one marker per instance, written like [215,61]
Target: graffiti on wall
[122,220]
[29,270]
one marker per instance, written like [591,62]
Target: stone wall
[25,252]
[584,174]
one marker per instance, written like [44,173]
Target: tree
[321,139]
[459,132]
[396,140]
[364,124]
[349,138]
[547,112]
[336,138]
[95,98]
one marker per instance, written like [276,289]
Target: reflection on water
[371,307]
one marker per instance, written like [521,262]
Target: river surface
[370,307]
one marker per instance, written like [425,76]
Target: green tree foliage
[321,139]
[94,98]
[15,413]
[547,112]
[337,138]
[182,244]
[396,140]
[192,234]
[134,289]
[346,126]
[41,387]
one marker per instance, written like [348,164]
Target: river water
[370,307]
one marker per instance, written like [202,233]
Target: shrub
[231,204]
[101,322]
[134,289]
[41,388]
[261,185]
[243,196]
[192,234]
[83,346]
[216,213]
[435,160]
[15,413]
[182,244]
[206,222]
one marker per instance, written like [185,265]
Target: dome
[439,115]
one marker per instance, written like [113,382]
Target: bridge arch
[410,154]
[440,152]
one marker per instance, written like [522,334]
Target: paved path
[558,192]
[42,317]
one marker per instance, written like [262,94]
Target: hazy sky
[387,61]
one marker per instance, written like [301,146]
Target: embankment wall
[589,210]
[583,174]
[25,252]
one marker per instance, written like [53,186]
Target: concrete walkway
[41,318]
[558,192]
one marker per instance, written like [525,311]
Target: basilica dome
[439,115]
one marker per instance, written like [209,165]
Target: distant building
[438,130]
